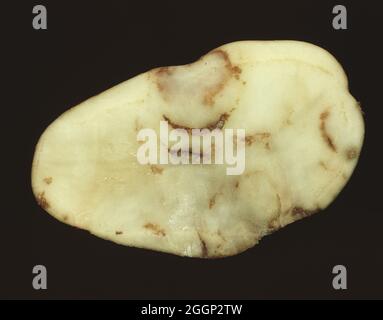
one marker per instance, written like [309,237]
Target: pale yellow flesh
[305,132]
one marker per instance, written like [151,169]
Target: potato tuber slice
[304,133]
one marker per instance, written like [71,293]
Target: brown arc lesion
[232,71]
[322,127]
[168,85]
[214,125]
[218,124]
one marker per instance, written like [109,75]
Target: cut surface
[304,133]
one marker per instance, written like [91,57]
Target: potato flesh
[304,135]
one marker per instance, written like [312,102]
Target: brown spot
[236,71]
[155,229]
[298,211]
[323,165]
[205,251]
[323,117]
[42,201]
[137,125]
[287,122]
[204,248]
[48,180]
[301,213]
[119,232]
[249,140]
[258,137]
[156,169]
[212,202]
[279,204]
[218,124]
[236,184]
[164,71]
[274,224]
[345,176]
[351,153]
[221,235]
[65,218]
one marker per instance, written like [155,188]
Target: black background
[91,46]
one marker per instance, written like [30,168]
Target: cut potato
[304,133]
